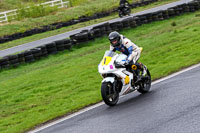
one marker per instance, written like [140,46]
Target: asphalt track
[172,106]
[67,34]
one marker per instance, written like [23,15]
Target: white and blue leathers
[128,48]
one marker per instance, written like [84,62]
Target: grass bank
[63,83]
[68,28]
[14,4]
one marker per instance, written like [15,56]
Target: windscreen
[109,53]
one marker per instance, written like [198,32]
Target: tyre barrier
[51,48]
[43,50]
[97,31]
[28,56]
[67,44]
[59,25]
[36,52]
[13,60]
[125,23]
[4,63]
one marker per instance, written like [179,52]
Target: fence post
[62,5]
[6,17]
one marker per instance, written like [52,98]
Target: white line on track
[101,103]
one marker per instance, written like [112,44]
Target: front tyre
[146,84]
[110,97]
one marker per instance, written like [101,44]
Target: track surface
[67,34]
[172,106]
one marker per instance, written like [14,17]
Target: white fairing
[108,67]
[108,79]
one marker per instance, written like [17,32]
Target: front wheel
[110,97]
[146,84]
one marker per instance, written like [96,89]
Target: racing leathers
[128,48]
[132,51]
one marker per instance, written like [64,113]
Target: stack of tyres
[73,40]
[102,28]
[149,17]
[81,37]
[51,48]
[43,49]
[108,28]
[185,7]
[145,2]
[114,26]
[67,43]
[90,34]
[176,10]
[132,22]
[28,56]
[181,9]
[133,5]
[143,19]
[60,45]
[96,33]
[21,58]
[125,23]
[165,14]
[155,16]
[37,52]
[137,20]
[117,26]
[160,15]
[4,63]
[171,12]
[191,6]
[196,5]
[13,60]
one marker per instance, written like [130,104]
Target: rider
[124,45]
[122,4]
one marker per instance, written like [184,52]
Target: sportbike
[120,79]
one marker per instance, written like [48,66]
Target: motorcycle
[118,80]
[124,10]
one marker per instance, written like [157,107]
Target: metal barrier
[8,15]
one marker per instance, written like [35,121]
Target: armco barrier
[97,31]
[58,25]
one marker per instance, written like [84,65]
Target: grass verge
[63,83]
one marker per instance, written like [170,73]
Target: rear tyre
[110,97]
[146,84]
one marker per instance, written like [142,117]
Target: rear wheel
[146,84]
[110,97]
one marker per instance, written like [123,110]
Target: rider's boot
[144,72]
[143,69]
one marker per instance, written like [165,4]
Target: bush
[173,24]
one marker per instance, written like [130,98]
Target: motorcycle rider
[124,45]
[123,4]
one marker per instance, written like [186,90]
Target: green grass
[59,84]
[14,4]
[64,14]
[64,29]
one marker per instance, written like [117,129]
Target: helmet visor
[114,42]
